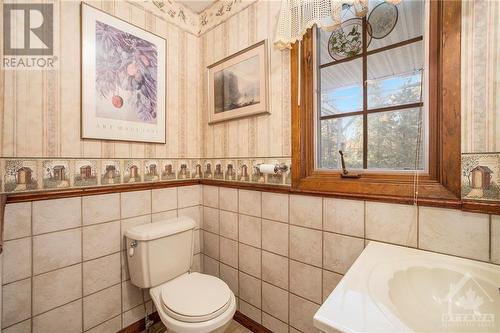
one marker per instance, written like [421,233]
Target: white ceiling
[197,6]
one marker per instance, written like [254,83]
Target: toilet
[159,257]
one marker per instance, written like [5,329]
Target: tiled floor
[233,328]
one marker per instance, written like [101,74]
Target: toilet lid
[195,297]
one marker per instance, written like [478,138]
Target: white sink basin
[395,289]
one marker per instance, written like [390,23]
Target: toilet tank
[158,252]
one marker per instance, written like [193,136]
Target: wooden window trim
[442,183]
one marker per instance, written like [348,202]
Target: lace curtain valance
[296,16]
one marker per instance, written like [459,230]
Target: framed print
[238,84]
[123,80]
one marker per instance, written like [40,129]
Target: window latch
[345,173]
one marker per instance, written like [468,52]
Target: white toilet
[160,255]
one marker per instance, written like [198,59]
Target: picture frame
[238,85]
[123,80]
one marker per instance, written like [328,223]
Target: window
[391,103]
[371,89]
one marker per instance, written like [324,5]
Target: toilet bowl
[159,257]
[194,303]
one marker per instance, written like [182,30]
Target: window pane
[406,20]
[341,88]
[344,134]
[392,140]
[395,76]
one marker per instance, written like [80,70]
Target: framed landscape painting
[238,84]
[123,80]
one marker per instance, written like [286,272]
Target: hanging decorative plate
[347,40]
[382,20]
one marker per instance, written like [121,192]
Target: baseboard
[250,323]
[139,325]
[239,317]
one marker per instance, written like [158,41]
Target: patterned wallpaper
[41,109]
[260,136]
[481,76]
[481,99]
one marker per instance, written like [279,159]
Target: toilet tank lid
[160,229]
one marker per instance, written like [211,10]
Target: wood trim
[139,325]
[478,206]
[81,192]
[442,182]
[481,206]
[250,323]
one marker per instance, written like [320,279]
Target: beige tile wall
[65,258]
[283,254]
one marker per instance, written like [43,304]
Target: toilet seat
[195,297]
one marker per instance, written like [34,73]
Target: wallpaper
[481,100]
[40,110]
[260,136]
[480,76]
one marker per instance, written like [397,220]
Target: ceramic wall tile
[480,176]
[275,301]
[16,260]
[275,237]
[21,175]
[51,321]
[400,228]
[56,174]
[56,288]
[16,302]
[132,171]
[306,245]
[344,216]
[56,250]
[86,173]
[17,220]
[101,306]
[275,269]
[151,171]
[56,214]
[454,232]
[111,172]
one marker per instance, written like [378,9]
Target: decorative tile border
[481,176]
[480,173]
[28,175]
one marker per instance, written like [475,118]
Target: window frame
[441,183]
[365,109]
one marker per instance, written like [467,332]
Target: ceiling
[197,6]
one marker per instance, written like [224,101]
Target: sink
[396,289]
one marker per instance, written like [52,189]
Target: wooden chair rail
[487,207]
